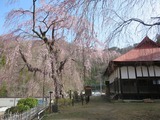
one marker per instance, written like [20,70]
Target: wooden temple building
[136,74]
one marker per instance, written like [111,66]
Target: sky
[134,35]
[5,7]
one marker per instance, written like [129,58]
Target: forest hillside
[83,67]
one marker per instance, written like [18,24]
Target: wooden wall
[136,81]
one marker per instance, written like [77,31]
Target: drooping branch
[22,11]
[29,66]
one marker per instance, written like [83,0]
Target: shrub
[68,101]
[21,108]
[21,101]
[3,90]
[63,101]
[22,105]
[11,110]
[31,102]
[2,61]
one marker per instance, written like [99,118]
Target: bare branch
[155,17]
[129,21]
[140,21]
[37,34]
[44,20]
[34,17]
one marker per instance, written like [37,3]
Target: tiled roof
[146,50]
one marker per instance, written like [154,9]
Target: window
[131,71]
[139,71]
[156,82]
[124,72]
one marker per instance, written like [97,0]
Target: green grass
[98,109]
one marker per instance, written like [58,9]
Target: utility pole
[43,86]
[44,78]
[83,62]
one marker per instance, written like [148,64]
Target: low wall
[9,102]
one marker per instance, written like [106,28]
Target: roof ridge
[146,43]
[146,50]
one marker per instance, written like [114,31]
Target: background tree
[50,22]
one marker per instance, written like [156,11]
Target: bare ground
[98,109]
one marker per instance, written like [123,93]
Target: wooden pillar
[157,86]
[148,83]
[107,90]
[120,81]
[118,85]
[136,83]
[114,86]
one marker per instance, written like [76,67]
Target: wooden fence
[28,115]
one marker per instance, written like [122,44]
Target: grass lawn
[98,109]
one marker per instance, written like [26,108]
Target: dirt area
[99,109]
